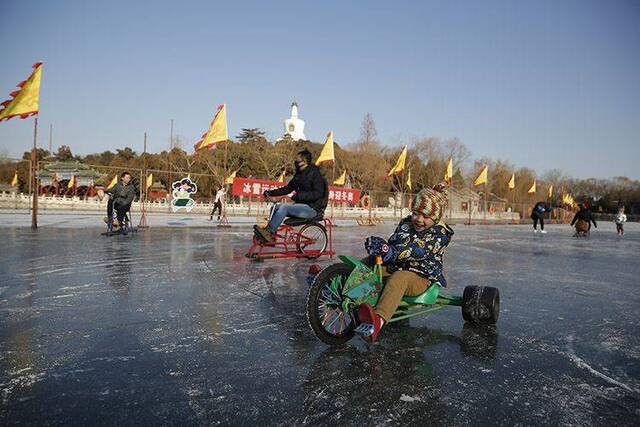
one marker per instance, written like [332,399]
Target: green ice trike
[338,290]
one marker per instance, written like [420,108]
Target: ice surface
[175,326]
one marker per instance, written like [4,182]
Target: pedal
[365,330]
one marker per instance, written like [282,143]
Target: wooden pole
[333,178]
[34,178]
[143,189]
[51,140]
[169,156]
[485,202]
[450,198]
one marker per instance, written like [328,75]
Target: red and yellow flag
[342,179]
[326,155]
[72,181]
[448,174]
[217,130]
[512,181]
[113,182]
[14,181]
[551,191]
[482,178]
[149,180]
[399,166]
[229,179]
[532,190]
[281,177]
[25,101]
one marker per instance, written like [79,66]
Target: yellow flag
[512,181]
[229,179]
[149,180]
[14,181]
[399,166]
[532,190]
[281,178]
[551,191]
[409,181]
[448,175]
[113,182]
[26,99]
[71,181]
[217,131]
[482,178]
[342,180]
[326,155]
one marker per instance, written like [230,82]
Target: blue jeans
[280,211]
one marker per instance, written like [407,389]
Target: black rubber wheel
[481,305]
[312,240]
[328,321]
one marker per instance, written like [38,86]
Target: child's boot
[370,323]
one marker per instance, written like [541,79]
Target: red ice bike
[296,238]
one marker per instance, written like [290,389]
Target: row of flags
[483,179]
[24,103]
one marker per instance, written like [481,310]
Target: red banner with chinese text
[255,187]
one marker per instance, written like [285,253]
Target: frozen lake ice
[175,326]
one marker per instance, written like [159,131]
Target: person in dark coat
[311,194]
[537,215]
[583,219]
[121,196]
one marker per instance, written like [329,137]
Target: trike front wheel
[327,318]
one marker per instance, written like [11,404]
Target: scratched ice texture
[175,326]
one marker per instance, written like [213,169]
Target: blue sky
[542,84]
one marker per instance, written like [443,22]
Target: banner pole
[34,178]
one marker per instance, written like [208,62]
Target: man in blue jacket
[311,193]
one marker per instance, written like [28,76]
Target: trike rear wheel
[327,318]
[481,305]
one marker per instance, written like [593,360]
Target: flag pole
[169,156]
[34,178]
[450,198]
[50,139]
[143,190]
[485,202]
[333,178]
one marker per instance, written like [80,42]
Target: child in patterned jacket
[412,258]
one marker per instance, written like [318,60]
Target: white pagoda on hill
[294,126]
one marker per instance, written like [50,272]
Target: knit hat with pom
[431,202]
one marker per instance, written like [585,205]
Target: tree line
[366,160]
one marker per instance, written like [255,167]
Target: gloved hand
[377,246]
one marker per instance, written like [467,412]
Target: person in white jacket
[218,202]
[620,219]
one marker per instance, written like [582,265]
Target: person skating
[620,219]
[412,258]
[582,220]
[218,202]
[311,194]
[537,215]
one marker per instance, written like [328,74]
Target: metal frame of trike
[286,237]
[410,306]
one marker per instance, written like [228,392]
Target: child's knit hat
[431,202]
